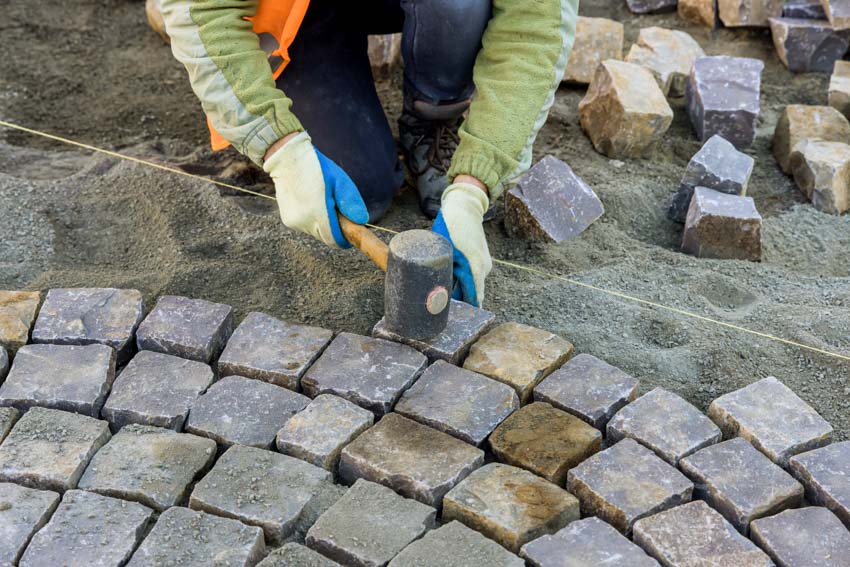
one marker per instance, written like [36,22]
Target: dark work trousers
[329,78]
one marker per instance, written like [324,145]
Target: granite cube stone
[825,473]
[808,46]
[799,122]
[771,417]
[651,6]
[700,12]
[8,417]
[370,372]
[822,172]
[268,349]
[839,88]
[722,226]
[400,453]
[627,482]
[4,364]
[296,555]
[189,328]
[369,526]
[194,539]
[748,13]
[239,410]
[89,530]
[838,13]
[150,465]
[459,402]
[68,378]
[17,315]
[806,9]
[596,40]
[807,537]
[23,511]
[156,389]
[50,448]
[668,54]
[455,545]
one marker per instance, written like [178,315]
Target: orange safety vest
[276,23]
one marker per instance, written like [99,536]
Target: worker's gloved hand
[311,188]
[460,220]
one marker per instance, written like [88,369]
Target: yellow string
[505,263]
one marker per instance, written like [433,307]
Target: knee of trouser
[471,15]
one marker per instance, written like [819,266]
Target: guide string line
[520,267]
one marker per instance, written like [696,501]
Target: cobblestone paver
[455,545]
[825,473]
[806,537]
[17,315]
[296,555]
[8,417]
[23,511]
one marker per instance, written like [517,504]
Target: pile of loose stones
[180,438]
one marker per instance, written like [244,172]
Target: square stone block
[748,13]
[372,373]
[805,537]
[17,315]
[722,226]
[296,555]
[156,389]
[740,482]
[455,545]
[518,355]
[588,388]
[68,378]
[90,315]
[459,402]
[400,453]
[800,122]
[808,46]
[691,533]
[510,505]
[544,440]
[665,423]
[822,172]
[268,349]
[596,40]
[369,526]
[147,464]
[668,54]
[318,433]
[808,9]
[8,417]
[627,482]
[838,13]
[194,539]
[839,89]
[50,449]
[94,530]
[189,328]
[824,473]
[239,410]
[700,12]
[23,511]
[771,417]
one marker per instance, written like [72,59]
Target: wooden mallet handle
[365,240]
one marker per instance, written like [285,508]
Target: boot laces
[445,140]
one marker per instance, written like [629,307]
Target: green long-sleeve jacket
[524,53]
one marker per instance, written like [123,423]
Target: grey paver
[268,349]
[90,315]
[740,482]
[244,411]
[459,402]
[189,328]
[50,448]
[69,378]
[771,417]
[399,453]
[808,9]
[369,526]
[665,423]
[651,6]
[318,433]
[722,226]
[808,46]
[838,13]
[807,537]
[370,372]
[825,473]
[455,545]
[194,539]
[296,555]
[17,315]
[156,389]
[588,388]
[8,417]
[89,530]
[4,363]
[151,465]
[23,511]
[627,482]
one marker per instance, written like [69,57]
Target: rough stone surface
[8,417]
[544,440]
[825,473]
[384,53]
[624,112]
[194,539]
[318,433]
[822,172]
[518,355]
[151,465]
[4,363]
[597,39]
[399,453]
[807,9]
[296,555]
[700,12]
[838,13]
[268,349]
[665,423]
[17,314]
[509,505]
[551,203]
[740,482]
[771,417]
[748,13]
[585,543]
[651,6]
[807,46]
[455,545]
[50,449]
[23,511]
[668,54]
[722,226]
[89,529]
[69,378]
[244,411]
[722,97]
[369,526]
[627,482]
[807,537]
[156,389]
[459,402]
[189,328]
[691,534]
[839,88]
[370,372]
[717,165]
[799,122]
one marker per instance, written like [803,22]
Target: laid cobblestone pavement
[283,445]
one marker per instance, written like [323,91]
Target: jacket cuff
[481,167]
[258,142]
